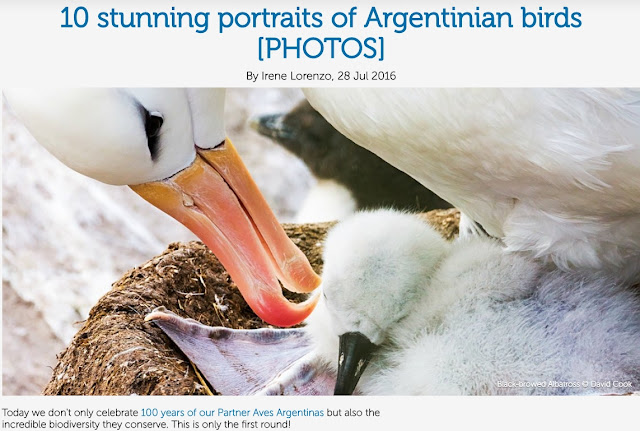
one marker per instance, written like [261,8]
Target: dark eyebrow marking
[152,124]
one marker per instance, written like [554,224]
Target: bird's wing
[249,362]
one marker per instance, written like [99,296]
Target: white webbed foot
[249,362]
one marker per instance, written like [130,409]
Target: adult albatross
[552,172]
[170,147]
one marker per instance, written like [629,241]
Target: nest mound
[117,353]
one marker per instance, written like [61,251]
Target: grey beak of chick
[355,353]
[271,125]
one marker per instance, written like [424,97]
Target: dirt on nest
[117,353]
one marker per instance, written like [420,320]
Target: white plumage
[101,133]
[552,172]
[170,146]
[468,317]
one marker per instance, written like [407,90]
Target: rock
[25,370]
[117,353]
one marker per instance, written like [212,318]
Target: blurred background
[66,238]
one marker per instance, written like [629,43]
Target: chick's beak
[354,356]
[217,200]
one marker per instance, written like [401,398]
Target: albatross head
[170,147]
[376,265]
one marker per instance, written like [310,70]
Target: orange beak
[218,201]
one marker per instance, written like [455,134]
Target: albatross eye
[152,125]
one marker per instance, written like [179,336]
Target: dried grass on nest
[117,353]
